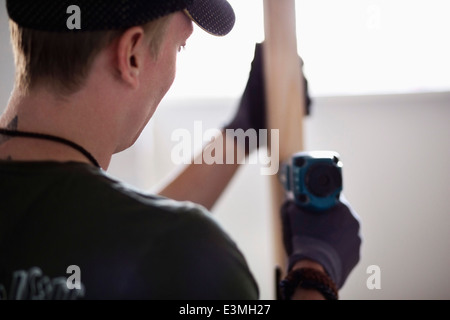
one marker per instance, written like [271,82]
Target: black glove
[329,237]
[251,113]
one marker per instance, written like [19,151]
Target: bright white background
[379,76]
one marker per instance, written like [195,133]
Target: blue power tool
[313,179]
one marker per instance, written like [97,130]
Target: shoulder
[185,251]
[198,260]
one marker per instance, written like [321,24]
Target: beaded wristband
[308,278]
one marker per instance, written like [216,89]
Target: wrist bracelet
[308,278]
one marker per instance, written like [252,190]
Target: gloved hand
[251,113]
[329,237]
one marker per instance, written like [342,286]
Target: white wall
[395,150]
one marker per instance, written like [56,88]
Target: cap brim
[214,16]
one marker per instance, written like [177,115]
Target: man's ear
[131,51]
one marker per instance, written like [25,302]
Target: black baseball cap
[214,16]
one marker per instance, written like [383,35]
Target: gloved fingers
[286,226]
[257,64]
[331,237]
[346,203]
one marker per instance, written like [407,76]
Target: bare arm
[204,183]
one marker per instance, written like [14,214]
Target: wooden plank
[285,100]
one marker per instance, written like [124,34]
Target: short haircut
[63,61]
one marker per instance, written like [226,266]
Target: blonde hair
[63,60]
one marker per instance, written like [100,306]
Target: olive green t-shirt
[70,231]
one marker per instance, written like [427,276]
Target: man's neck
[74,118]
